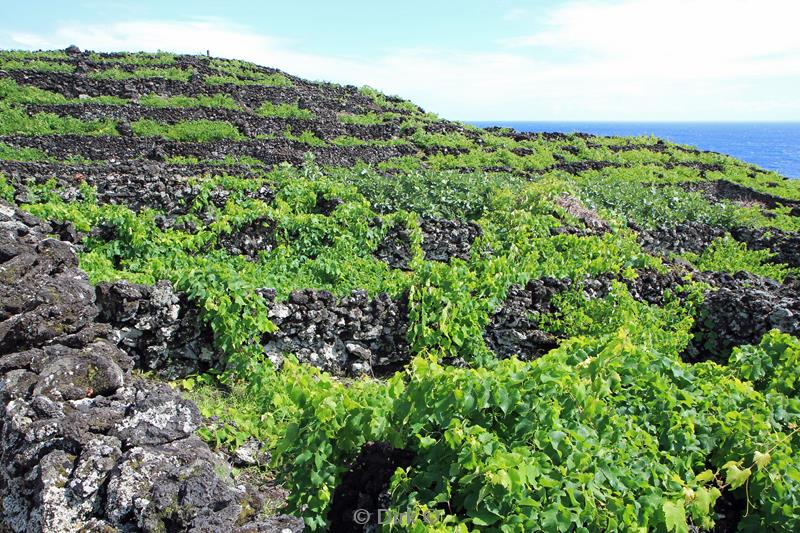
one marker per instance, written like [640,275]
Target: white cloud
[628,60]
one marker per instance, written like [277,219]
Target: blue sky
[476,59]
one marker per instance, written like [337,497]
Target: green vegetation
[348,140]
[9,153]
[6,190]
[611,431]
[390,103]
[269,109]
[14,121]
[727,255]
[221,101]
[227,160]
[609,402]
[441,140]
[306,137]
[190,130]
[36,65]
[139,59]
[12,93]
[368,119]
[169,73]
[20,55]
[243,73]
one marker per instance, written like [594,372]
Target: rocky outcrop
[158,328]
[353,335]
[84,446]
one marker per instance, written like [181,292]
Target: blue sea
[770,145]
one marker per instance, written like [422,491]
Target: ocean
[770,145]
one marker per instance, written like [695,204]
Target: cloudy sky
[718,60]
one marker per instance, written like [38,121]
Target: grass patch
[9,153]
[306,137]
[220,101]
[171,73]
[36,65]
[191,130]
[269,109]
[15,121]
[368,119]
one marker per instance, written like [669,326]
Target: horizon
[576,61]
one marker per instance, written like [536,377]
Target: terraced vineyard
[375,309]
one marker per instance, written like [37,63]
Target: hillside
[360,306]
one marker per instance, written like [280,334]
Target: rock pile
[349,336]
[741,309]
[135,184]
[697,236]
[441,241]
[250,239]
[720,190]
[83,445]
[785,245]
[514,330]
[681,238]
[158,328]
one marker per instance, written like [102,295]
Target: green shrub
[368,119]
[139,59]
[441,140]
[243,73]
[12,93]
[772,365]
[6,189]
